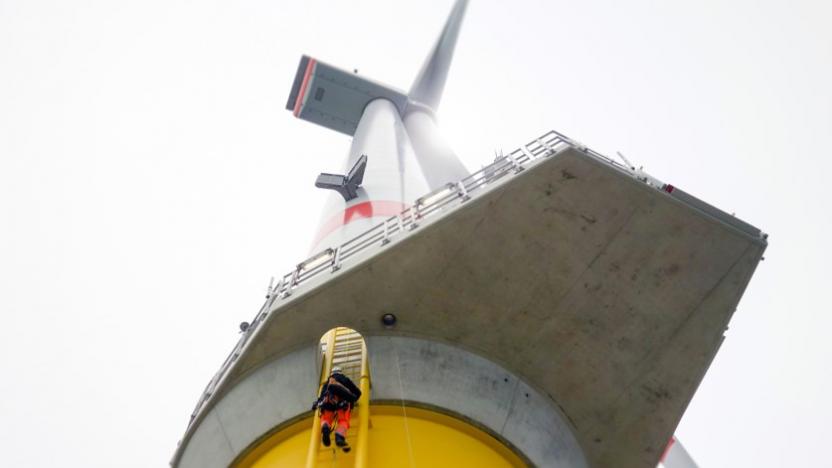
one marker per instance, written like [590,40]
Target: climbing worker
[338,395]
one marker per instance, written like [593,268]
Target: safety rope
[404,409]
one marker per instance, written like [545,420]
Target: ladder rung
[348,356]
[351,344]
[347,335]
[347,343]
[347,363]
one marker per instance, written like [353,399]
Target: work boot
[325,430]
[342,442]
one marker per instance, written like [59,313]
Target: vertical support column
[362,446]
[326,368]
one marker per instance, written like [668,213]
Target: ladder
[343,347]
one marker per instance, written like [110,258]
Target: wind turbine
[396,145]
[555,308]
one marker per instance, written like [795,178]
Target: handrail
[326,368]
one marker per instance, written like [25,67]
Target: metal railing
[332,259]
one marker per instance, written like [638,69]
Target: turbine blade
[427,89]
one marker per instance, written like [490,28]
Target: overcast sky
[151,182]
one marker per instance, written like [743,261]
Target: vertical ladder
[343,347]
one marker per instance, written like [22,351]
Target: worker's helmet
[337,370]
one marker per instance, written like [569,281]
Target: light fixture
[316,261]
[434,197]
[388,320]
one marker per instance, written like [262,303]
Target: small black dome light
[388,320]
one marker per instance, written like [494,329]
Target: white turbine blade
[427,89]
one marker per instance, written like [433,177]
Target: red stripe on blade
[306,76]
[667,448]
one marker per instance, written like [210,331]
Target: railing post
[336,259]
[276,292]
[549,150]
[517,166]
[525,149]
[292,282]
[463,192]
[270,288]
[386,239]
[414,215]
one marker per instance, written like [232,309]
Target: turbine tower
[556,308]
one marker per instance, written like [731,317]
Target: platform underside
[607,295]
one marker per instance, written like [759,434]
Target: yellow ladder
[345,348]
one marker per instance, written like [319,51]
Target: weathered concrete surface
[604,294]
[275,393]
[404,370]
[441,376]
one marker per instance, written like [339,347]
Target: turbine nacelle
[336,98]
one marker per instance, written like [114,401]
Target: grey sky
[151,183]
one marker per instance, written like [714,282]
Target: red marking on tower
[364,210]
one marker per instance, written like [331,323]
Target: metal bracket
[414,215]
[549,150]
[386,235]
[514,163]
[463,192]
[346,185]
[336,260]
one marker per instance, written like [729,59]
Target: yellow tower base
[398,437]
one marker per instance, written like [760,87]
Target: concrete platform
[603,293]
